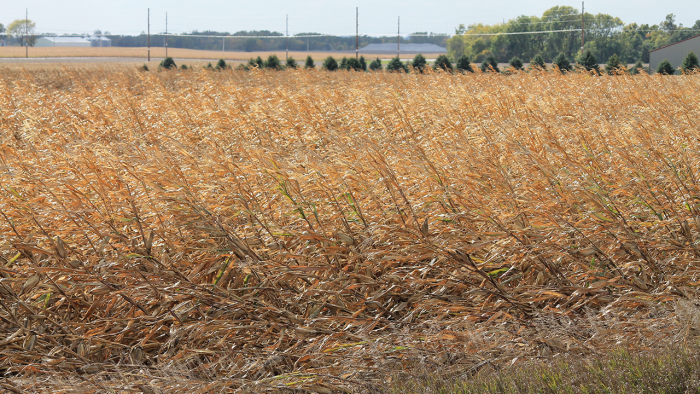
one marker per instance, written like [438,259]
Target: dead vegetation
[224,231]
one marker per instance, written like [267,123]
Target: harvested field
[182,53]
[263,231]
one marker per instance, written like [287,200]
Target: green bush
[516,63]
[614,65]
[562,62]
[291,63]
[183,67]
[690,63]
[168,63]
[490,64]
[221,65]
[665,68]
[538,63]
[442,62]
[273,62]
[353,64]
[256,63]
[209,66]
[309,62]
[363,63]
[638,67]
[419,63]
[463,64]
[396,65]
[375,65]
[343,63]
[589,62]
[330,64]
[144,67]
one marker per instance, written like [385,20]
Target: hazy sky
[322,16]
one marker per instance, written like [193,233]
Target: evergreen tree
[183,67]
[343,63]
[562,62]
[538,63]
[442,62]
[291,63]
[273,62]
[490,64]
[363,63]
[309,62]
[463,64]
[221,64]
[396,65]
[259,62]
[690,63]
[330,64]
[375,65]
[665,68]
[168,63]
[353,64]
[638,67]
[613,65]
[589,62]
[516,63]
[419,63]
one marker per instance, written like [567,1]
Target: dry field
[264,231]
[181,53]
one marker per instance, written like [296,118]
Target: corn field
[259,231]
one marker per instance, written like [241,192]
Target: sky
[377,17]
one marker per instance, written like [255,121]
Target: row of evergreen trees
[419,64]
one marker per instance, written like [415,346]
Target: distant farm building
[84,42]
[405,48]
[674,53]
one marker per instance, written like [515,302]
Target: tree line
[604,35]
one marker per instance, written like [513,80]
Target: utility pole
[286,56]
[582,28]
[357,33]
[26,32]
[166,34]
[149,34]
[398,40]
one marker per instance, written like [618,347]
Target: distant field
[19,52]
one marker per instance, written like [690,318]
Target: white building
[674,53]
[62,42]
[92,41]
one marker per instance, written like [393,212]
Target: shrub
[273,62]
[419,63]
[343,63]
[463,64]
[363,63]
[690,63]
[396,65]
[209,66]
[665,68]
[353,64]
[638,67]
[221,65]
[442,62]
[589,62]
[144,67]
[258,62]
[562,62]
[168,63]
[490,64]
[183,67]
[375,65]
[309,62]
[291,63]
[330,64]
[614,65]
[538,63]
[516,63]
